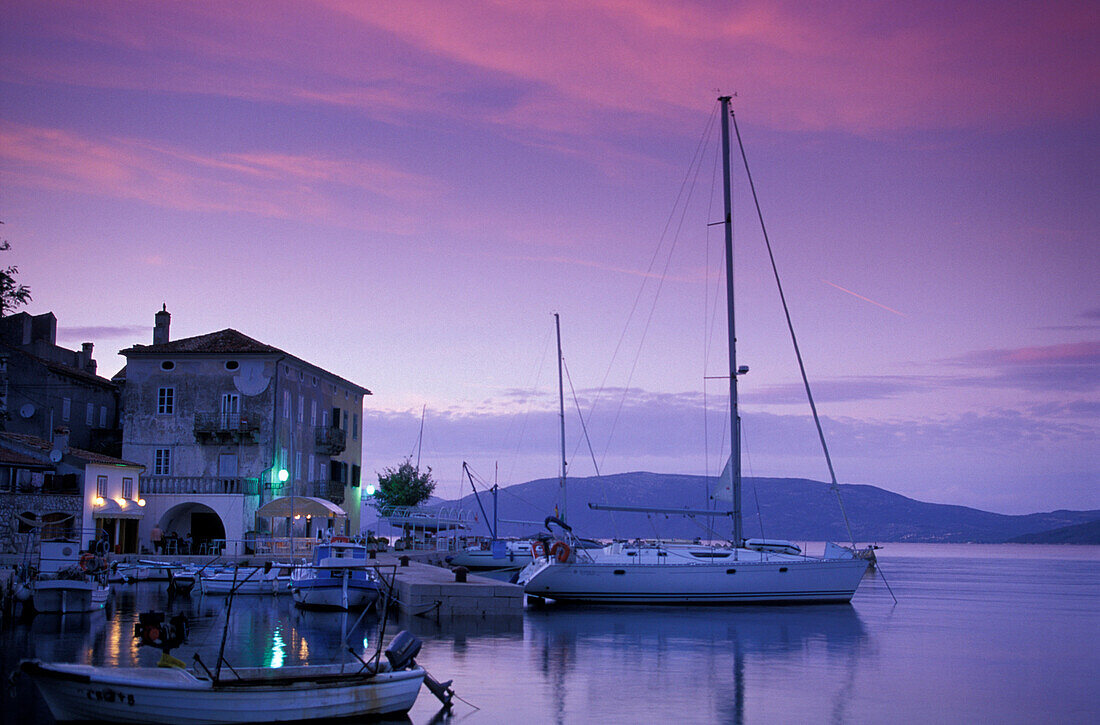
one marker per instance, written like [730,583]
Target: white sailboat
[656,572]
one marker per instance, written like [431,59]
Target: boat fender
[536,546]
[560,550]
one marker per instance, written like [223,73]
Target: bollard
[460,574]
[404,561]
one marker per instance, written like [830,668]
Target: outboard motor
[403,650]
[153,631]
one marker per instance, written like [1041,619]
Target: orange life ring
[339,539]
[535,546]
[88,563]
[560,549]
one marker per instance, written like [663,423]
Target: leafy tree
[12,295]
[405,485]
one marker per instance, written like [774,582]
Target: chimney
[60,438]
[89,365]
[160,329]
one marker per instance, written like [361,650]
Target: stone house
[44,386]
[215,418]
[51,490]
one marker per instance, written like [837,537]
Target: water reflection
[715,663]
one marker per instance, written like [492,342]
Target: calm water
[1004,634]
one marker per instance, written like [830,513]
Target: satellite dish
[27,410]
[56,455]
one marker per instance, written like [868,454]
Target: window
[103,416]
[313,413]
[66,408]
[310,468]
[232,364]
[324,419]
[89,415]
[162,462]
[297,465]
[128,488]
[166,401]
[355,426]
[301,408]
[355,475]
[231,410]
[167,365]
[101,486]
[286,403]
[345,425]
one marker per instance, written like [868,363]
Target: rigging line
[790,326]
[530,404]
[592,453]
[696,164]
[707,131]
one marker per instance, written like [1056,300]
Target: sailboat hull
[745,580]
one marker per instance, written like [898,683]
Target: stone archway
[200,521]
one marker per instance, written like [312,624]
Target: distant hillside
[1088,533]
[796,509]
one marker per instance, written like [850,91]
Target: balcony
[330,441]
[220,428]
[329,490]
[200,485]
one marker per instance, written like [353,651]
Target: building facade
[51,490]
[44,386]
[216,418]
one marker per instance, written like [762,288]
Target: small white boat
[64,596]
[179,696]
[501,554]
[247,580]
[338,578]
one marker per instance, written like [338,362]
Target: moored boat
[176,695]
[338,578]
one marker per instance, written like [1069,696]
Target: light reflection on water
[1002,635]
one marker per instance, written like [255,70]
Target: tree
[403,486]
[12,295]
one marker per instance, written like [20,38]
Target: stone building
[216,418]
[44,386]
[51,490]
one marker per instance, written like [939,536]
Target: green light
[370,489]
[283,475]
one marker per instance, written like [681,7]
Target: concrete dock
[424,586]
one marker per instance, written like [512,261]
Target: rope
[790,326]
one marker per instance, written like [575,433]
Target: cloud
[583,68]
[102,331]
[1071,366]
[281,186]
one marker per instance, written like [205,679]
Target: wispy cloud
[256,182]
[566,67]
[93,332]
[1068,366]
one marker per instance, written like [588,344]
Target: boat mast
[735,419]
[561,412]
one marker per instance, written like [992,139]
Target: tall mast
[735,419]
[561,413]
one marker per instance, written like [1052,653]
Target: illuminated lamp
[120,500]
[99,501]
[297,516]
[370,489]
[141,502]
[283,475]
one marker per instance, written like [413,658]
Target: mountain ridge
[797,509]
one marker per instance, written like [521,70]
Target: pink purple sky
[404,193]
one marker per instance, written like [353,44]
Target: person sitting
[188,544]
